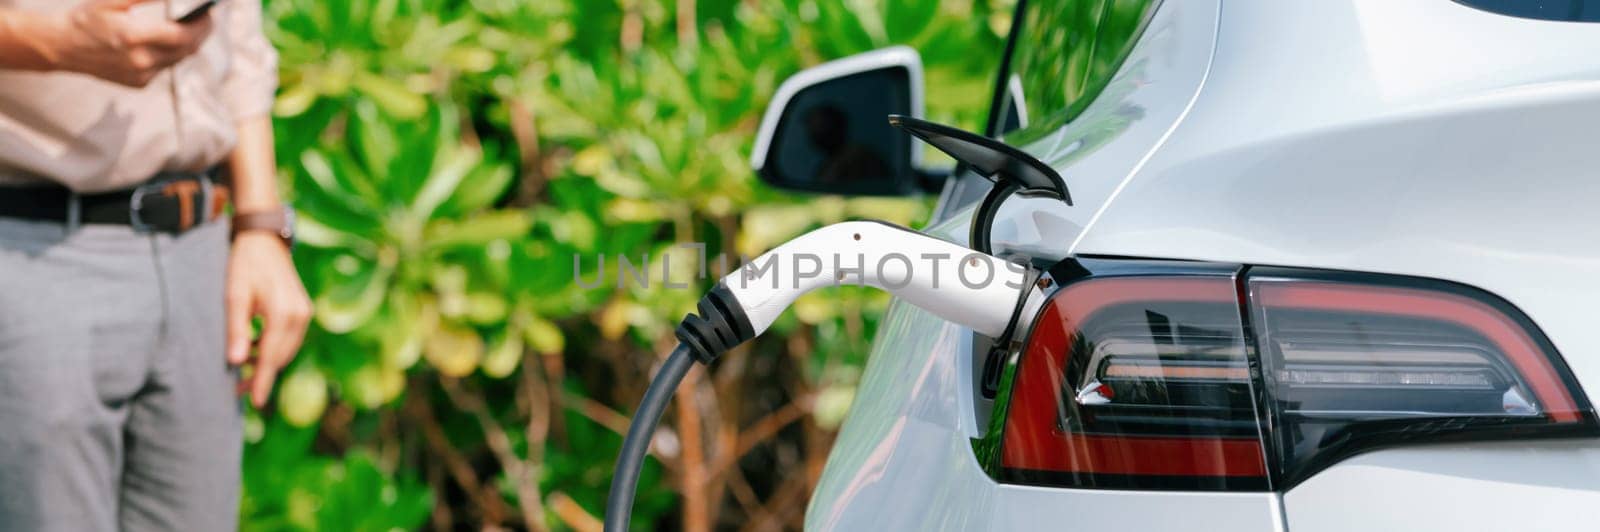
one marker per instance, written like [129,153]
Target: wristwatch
[279,222]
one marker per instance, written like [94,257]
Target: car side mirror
[825,129]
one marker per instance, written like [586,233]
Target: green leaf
[504,355]
[411,320]
[339,183]
[311,232]
[907,18]
[352,300]
[391,95]
[454,350]
[544,336]
[481,187]
[302,396]
[442,181]
[425,145]
[486,308]
[372,385]
[479,230]
[376,144]
[294,99]
[842,31]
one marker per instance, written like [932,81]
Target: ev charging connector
[970,288]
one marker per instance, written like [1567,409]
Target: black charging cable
[720,326]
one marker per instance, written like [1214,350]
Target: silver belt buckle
[202,211]
[74,212]
[136,204]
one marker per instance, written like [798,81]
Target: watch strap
[275,221]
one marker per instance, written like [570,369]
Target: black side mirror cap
[824,130]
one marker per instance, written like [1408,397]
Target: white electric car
[1327,265]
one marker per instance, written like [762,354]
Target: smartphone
[197,12]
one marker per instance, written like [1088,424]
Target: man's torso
[93,135]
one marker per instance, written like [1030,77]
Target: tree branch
[692,478]
[491,507]
[573,514]
[764,429]
[521,472]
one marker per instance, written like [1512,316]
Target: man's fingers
[201,29]
[261,381]
[120,4]
[237,304]
[284,327]
[169,35]
[272,351]
[198,28]
[148,62]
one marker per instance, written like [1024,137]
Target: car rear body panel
[1417,138]
[1537,485]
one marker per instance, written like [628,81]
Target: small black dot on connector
[858,236]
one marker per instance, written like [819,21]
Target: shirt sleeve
[252,78]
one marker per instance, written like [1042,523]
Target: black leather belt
[168,203]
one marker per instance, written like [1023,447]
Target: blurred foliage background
[457,163]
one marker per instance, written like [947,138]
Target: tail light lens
[1136,383]
[1216,381]
[1353,362]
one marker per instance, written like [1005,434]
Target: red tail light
[1154,377]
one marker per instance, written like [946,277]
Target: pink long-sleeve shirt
[93,135]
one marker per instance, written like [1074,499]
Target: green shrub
[450,158]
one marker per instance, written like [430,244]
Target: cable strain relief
[720,325]
[994,360]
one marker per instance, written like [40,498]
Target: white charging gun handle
[973,289]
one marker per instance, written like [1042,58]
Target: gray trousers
[117,409]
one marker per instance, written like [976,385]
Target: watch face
[288,223]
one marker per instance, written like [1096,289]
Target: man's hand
[100,38]
[262,282]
